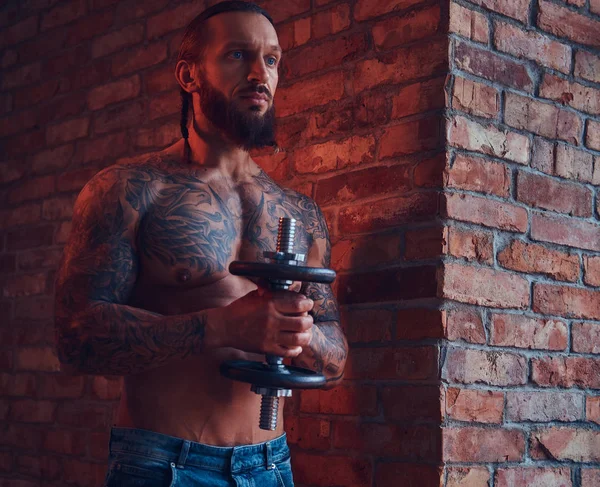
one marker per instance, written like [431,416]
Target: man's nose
[258,71]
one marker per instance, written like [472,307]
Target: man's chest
[191,230]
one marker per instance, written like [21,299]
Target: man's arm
[96,332]
[328,349]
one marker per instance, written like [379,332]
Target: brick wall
[521,274]
[467,245]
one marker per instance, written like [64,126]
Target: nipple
[184,275]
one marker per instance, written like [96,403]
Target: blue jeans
[144,458]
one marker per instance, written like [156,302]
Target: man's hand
[266,322]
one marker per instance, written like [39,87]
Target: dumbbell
[272,379]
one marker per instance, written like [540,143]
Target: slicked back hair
[192,50]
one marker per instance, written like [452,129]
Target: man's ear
[185,74]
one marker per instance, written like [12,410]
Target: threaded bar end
[269,407]
[286,235]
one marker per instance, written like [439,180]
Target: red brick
[123,89]
[565,23]
[65,441]
[62,107]
[367,325]
[365,251]
[108,147]
[158,137]
[587,66]
[38,358]
[410,137]
[424,403]
[32,411]
[595,6]
[59,208]
[328,54]
[30,237]
[407,475]
[467,477]
[6,360]
[540,406]
[19,145]
[22,215]
[387,213]
[493,67]
[401,65]
[471,444]
[63,14]
[62,232]
[468,23]
[464,324]
[132,9]
[38,308]
[472,245]
[469,135]
[542,192]
[559,444]
[139,58]
[40,259]
[61,386]
[163,105]
[419,323]
[309,433]
[89,27]
[423,243]
[117,40]
[474,406]
[533,258]
[516,330]
[170,20]
[570,302]
[21,76]
[119,117]
[45,467]
[324,470]
[591,265]
[32,189]
[543,155]
[397,31]
[468,366]
[83,473]
[21,31]
[366,9]
[590,477]
[75,180]
[36,94]
[475,98]
[547,477]
[25,285]
[592,409]
[580,97]
[82,414]
[22,436]
[334,121]
[566,372]
[276,166]
[565,231]
[18,384]
[592,139]
[19,122]
[429,172]
[11,171]
[490,213]
[6,462]
[351,400]
[334,155]
[529,44]
[542,118]
[95,73]
[476,174]
[160,79]
[403,442]
[331,21]
[98,445]
[107,388]
[310,93]
[485,287]
[414,363]
[586,338]
[417,98]
[67,131]
[572,163]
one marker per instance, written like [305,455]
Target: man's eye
[272,61]
[237,55]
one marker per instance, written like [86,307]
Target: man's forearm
[326,353]
[113,339]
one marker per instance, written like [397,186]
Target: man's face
[238,77]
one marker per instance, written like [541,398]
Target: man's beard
[247,128]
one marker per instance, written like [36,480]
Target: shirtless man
[144,290]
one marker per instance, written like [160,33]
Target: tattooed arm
[328,348]
[96,332]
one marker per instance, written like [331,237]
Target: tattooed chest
[191,231]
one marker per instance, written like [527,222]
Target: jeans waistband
[186,452]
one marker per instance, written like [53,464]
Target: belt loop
[268,456]
[185,448]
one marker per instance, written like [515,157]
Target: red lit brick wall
[521,274]
[467,246]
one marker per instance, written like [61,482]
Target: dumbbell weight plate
[282,271]
[260,374]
